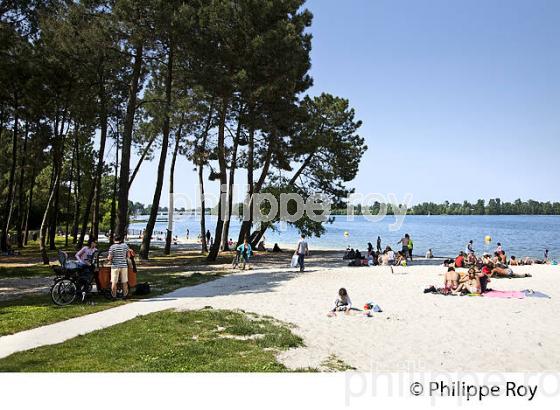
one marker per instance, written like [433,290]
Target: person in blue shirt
[245,251]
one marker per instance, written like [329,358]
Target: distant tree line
[481,207]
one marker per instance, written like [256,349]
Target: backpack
[142,289]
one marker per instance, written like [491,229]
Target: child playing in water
[342,303]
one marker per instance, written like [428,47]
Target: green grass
[34,311]
[25,271]
[195,341]
[38,310]
[334,364]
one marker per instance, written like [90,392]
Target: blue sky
[460,99]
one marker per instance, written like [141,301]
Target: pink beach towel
[505,294]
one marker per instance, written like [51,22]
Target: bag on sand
[294,262]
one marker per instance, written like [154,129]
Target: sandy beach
[416,331]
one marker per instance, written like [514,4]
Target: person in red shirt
[460,260]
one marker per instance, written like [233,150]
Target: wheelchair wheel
[64,292]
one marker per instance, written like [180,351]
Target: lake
[445,235]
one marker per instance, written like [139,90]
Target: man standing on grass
[302,251]
[118,254]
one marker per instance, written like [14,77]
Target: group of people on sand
[379,257]
[479,271]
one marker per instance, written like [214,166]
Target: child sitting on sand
[342,303]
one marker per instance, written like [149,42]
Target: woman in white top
[85,255]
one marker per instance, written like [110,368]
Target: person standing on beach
[404,241]
[302,251]
[379,244]
[470,248]
[118,254]
[208,235]
[188,233]
[546,256]
[410,247]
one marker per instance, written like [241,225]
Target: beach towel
[533,294]
[505,294]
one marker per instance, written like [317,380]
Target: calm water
[446,235]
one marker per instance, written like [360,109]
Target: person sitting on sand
[483,275]
[429,254]
[513,261]
[471,285]
[369,248]
[451,282]
[276,248]
[460,260]
[342,303]
[401,259]
[499,249]
[350,254]
[503,258]
[387,258]
[261,247]
[372,259]
[471,259]
[358,255]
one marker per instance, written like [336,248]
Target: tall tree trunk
[86,216]
[11,182]
[200,169]
[231,184]
[29,205]
[68,201]
[100,162]
[58,148]
[115,184]
[245,229]
[146,240]
[122,209]
[215,248]
[171,212]
[43,230]
[21,211]
[77,190]
[260,183]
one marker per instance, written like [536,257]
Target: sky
[459,99]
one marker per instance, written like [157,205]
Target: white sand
[416,332]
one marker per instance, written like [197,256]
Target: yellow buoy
[488,239]
[346,234]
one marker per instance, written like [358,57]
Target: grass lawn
[38,310]
[165,273]
[194,341]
